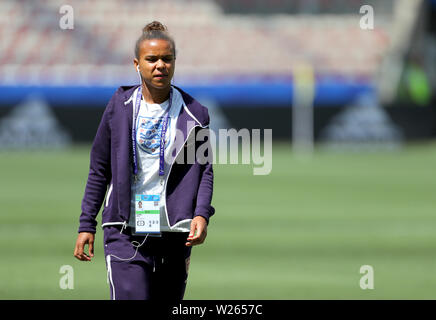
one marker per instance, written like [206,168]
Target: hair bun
[154,26]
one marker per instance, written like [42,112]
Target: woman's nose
[160,64]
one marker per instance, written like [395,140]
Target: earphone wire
[137,245]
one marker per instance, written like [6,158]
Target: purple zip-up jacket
[189,186]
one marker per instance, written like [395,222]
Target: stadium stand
[236,54]
[99,50]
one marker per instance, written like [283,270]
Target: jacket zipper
[109,193]
[169,173]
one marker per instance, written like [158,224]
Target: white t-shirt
[148,132]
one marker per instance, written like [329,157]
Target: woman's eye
[153,60]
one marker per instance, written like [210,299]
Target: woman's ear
[136,63]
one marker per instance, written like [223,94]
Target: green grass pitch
[302,232]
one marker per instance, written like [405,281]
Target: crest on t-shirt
[149,133]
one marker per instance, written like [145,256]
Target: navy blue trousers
[142,268]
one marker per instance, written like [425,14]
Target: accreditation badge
[147,214]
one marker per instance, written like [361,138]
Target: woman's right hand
[79,251]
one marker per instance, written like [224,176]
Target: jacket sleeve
[99,173]
[204,198]
[205,190]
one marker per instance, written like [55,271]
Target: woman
[138,156]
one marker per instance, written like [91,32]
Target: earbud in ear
[137,68]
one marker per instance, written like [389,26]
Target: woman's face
[156,62]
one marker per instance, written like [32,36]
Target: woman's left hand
[198,231]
